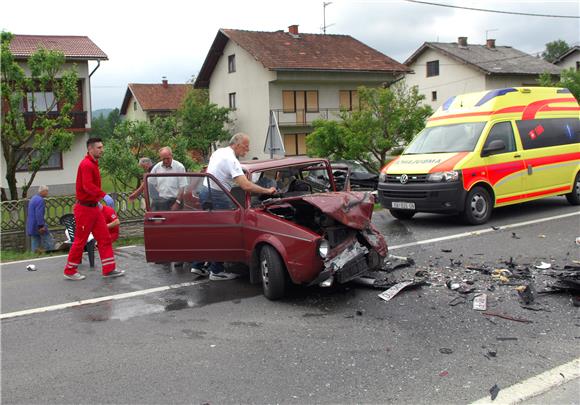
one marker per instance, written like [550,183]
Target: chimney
[490,43]
[164,82]
[462,41]
[293,29]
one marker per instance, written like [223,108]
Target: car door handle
[153,219]
[518,156]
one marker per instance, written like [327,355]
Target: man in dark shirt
[36,227]
[88,217]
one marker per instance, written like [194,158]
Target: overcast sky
[146,39]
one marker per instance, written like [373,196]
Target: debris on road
[501,339]
[480,302]
[394,290]
[515,235]
[543,266]
[526,293]
[445,350]
[447,250]
[578,240]
[460,299]
[494,391]
[31,267]
[509,318]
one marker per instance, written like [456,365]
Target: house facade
[442,70]
[296,77]
[569,59]
[60,171]
[143,102]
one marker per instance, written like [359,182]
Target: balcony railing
[79,118]
[304,117]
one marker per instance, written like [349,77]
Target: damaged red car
[306,234]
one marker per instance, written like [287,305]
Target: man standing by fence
[36,227]
[88,217]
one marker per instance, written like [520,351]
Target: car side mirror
[494,146]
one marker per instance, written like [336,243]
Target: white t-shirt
[225,166]
[168,187]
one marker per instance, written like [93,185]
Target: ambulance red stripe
[531,195]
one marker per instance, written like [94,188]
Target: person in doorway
[111,217]
[226,168]
[41,239]
[88,218]
[168,188]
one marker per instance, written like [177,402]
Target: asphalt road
[223,342]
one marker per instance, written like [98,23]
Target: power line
[492,11]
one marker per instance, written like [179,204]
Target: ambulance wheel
[574,196]
[401,214]
[477,206]
[273,273]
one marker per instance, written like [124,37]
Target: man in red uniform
[88,217]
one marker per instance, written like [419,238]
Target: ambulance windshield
[446,138]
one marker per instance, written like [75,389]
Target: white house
[299,77]
[442,70]
[60,171]
[569,59]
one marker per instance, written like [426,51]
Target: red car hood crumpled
[353,209]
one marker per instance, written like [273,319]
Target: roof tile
[157,97]
[73,47]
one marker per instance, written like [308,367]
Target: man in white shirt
[168,188]
[225,167]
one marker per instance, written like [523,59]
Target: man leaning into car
[225,167]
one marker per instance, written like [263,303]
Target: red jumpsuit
[89,219]
[110,215]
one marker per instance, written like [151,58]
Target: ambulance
[485,150]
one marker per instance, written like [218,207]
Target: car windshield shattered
[446,138]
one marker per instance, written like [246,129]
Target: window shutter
[355,103]
[312,101]
[288,101]
[344,99]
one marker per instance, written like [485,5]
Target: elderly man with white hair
[40,237]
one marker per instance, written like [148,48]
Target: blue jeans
[44,241]
[219,201]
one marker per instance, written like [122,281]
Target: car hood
[353,209]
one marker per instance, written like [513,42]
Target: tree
[387,119]
[30,138]
[104,127]
[554,49]
[203,123]
[569,79]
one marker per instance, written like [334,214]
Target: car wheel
[273,273]
[400,214]
[574,196]
[478,206]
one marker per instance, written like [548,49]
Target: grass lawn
[7,256]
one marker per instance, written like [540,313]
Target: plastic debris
[495,228]
[394,290]
[526,293]
[480,302]
[445,350]
[494,391]
[515,236]
[543,266]
[444,373]
[501,339]
[542,236]
[31,267]
[447,250]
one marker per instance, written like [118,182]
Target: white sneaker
[75,277]
[200,272]
[223,276]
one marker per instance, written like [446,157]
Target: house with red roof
[295,77]
[60,171]
[143,102]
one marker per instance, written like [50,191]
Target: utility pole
[324,26]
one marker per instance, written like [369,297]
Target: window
[232,98]
[40,101]
[548,132]
[231,63]
[295,144]
[134,106]
[299,101]
[348,100]
[433,68]
[54,161]
[578,65]
[504,132]
[433,96]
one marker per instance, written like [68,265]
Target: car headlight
[323,248]
[437,177]
[382,177]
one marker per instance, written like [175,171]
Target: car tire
[402,215]
[273,273]
[574,196]
[478,206]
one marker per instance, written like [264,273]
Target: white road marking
[131,294]
[535,386]
[55,257]
[482,231]
[174,286]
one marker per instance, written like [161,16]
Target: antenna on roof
[324,26]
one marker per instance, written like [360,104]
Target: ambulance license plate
[404,205]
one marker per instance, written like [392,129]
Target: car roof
[261,165]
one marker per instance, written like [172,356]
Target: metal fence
[13,213]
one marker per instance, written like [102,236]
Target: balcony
[79,119]
[302,118]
